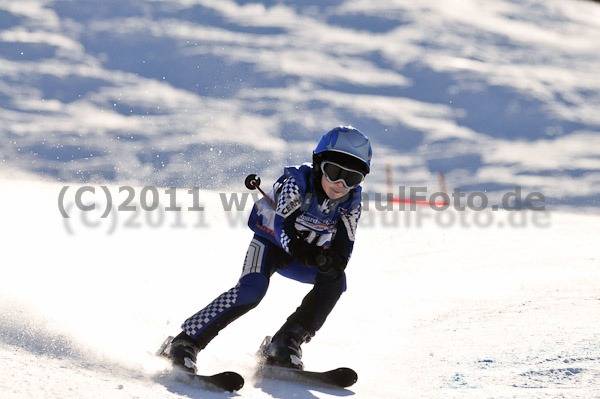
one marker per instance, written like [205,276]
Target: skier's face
[333,190]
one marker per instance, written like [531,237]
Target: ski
[228,381]
[342,377]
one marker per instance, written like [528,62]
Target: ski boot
[283,349]
[182,351]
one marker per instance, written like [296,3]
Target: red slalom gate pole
[389,180]
[410,201]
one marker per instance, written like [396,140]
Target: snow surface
[431,311]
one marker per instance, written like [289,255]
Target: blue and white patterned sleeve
[350,221]
[343,243]
[290,200]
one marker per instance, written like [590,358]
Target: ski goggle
[335,173]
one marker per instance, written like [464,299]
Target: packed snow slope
[437,306]
[194,92]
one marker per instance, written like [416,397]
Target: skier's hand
[305,253]
[331,263]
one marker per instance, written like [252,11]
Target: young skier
[307,236]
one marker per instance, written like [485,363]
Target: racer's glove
[330,263]
[305,253]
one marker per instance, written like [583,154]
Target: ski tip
[345,376]
[229,380]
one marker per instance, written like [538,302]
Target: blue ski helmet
[345,146]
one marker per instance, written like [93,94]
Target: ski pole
[253,183]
